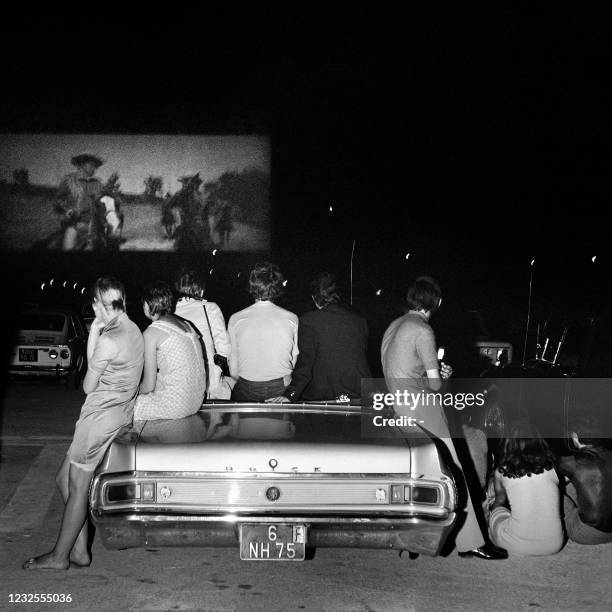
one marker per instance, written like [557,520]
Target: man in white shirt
[263,339]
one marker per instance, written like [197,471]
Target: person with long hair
[525,517]
[115,351]
[174,380]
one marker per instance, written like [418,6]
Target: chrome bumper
[424,535]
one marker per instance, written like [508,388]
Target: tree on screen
[153,186]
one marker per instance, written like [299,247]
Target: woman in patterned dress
[174,380]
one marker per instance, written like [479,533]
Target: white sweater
[193,310]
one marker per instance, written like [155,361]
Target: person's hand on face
[99,322]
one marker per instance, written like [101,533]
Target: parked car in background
[469,345]
[274,483]
[88,315]
[50,342]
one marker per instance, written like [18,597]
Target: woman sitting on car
[115,359]
[208,320]
[174,380]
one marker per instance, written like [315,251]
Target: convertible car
[274,482]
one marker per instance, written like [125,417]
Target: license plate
[281,542]
[28,354]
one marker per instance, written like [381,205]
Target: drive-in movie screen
[93,192]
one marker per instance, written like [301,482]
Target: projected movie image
[134,192]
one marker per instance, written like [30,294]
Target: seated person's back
[174,380]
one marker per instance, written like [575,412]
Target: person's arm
[567,466]
[501,497]
[295,350]
[103,351]
[302,373]
[149,376]
[426,350]
[233,357]
[219,331]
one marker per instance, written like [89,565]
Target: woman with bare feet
[115,355]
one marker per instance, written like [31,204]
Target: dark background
[475,139]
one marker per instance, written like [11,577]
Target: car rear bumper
[37,370]
[418,534]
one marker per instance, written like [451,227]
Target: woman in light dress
[174,380]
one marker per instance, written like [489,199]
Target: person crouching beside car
[115,355]
[588,491]
[264,340]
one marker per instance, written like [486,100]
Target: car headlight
[53,354]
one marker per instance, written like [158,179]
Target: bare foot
[46,562]
[80,559]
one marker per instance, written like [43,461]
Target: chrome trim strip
[233,518]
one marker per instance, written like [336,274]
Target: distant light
[75,285]
[211,271]
[331,209]
[83,290]
[214,252]
[238,275]
[407,255]
[42,286]
[284,283]
[594,258]
[379,292]
[51,281]
[64,283]
[532,262]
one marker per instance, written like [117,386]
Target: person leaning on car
[263,338]
[410,362]
[332,341]
[115,358]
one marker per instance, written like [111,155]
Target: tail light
[130,491]
[421,493]
[65,354]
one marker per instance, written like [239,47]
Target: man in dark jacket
[332,341]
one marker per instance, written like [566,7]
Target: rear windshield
[41,321]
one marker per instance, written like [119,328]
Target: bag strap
[210,328]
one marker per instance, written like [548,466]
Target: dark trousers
[257,391]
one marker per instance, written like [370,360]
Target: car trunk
[268,442]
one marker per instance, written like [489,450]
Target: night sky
[473,139]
